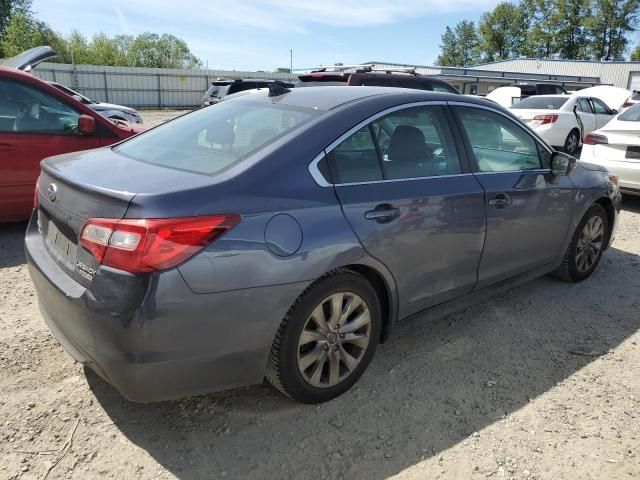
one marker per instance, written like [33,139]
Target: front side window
[26,109]
[498,144]
[213,139]
[599,107]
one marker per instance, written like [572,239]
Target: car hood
[30,58]
[112,106]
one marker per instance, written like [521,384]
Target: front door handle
[501,200]
[6,147]
[382,213]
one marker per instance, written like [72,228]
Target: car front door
[584,110]
[602,111]
[33,125]
[406,191]
[528,209]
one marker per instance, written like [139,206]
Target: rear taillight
[147,245]
[614,179]
[545,119]
[35,193]
[627,103]
[595,139]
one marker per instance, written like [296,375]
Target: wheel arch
[607,204]
[385,294]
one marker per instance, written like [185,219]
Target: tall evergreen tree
[448,49]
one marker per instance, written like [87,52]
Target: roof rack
[364,68]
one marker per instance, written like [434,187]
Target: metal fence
[152,88]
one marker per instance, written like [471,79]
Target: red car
[39,121]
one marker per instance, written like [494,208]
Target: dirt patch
[540,382]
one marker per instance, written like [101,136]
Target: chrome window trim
[533,170]
[315,171]
[313,166]
[448,175]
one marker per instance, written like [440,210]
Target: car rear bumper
[628,173]
[153,338]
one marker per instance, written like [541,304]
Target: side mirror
[562,164]
[613,111]
[86,125]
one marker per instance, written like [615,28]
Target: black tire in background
[573,268]
[572,142]
[284,370]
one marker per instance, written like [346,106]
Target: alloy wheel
[572,143]
[334,339]
[589,244]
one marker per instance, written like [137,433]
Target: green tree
[24,32]
[467,43]
[569,20]
[501,32]
[448,49]
[7,9]
[608,27]
[160,51]
[635,54]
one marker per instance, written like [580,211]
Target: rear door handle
[6,147]
[501,200]
[382,213]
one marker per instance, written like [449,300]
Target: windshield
[541,103]
[632,114]
[213,139]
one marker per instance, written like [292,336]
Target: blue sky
[257,34]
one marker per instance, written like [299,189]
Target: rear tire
[327,339]
[572,143]
[585,250]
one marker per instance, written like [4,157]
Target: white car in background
[563,120]
[108,110]
[616,146]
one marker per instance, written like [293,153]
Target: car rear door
[406,190]
[586,117]
[528,209]
[33,125]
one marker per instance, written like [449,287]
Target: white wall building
[619,74]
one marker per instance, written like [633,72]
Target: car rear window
[632,114]
[213,139]
[541,103]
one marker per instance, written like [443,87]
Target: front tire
[572,142]
[327,339]
[586,247]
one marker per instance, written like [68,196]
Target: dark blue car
[284,234]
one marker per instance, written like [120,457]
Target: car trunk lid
[76,187]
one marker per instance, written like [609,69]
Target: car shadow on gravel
[631,203]
[423,393]
[11,244]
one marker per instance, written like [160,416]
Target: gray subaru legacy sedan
[284,234]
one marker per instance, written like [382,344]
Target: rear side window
[498,144]
[355,159]
[631,115]
[213,139]
[411,143]
[416,142]
[584,105]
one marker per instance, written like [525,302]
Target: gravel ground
[540,382]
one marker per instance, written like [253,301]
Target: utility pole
[290,61]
